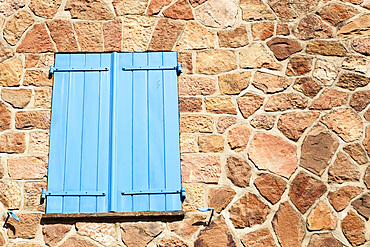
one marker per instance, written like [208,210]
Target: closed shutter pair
[114,137]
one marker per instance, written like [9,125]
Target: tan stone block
[299,65]
[186,61]
[255,10]
[10,195]
[90,36]
[103,233]
[357,152]
[32,120]
[137,32]
[45,8]
[12,142]
[195,36]
[32,196]
[238,137]
[27,167]
[155,6]
[204,168]
[181,9]
[113,35]
[32,60]
[190,104]
[171,241]
[249,104]
[5,117]
[352,81]
[238,171]
[43,97]
[234,83]
[188,143]
[37,78]
[196,124]
[46,60]
[187,227]
[165,35]
[283,47]
[140,233]
[282,29]
[293,124]
[196,85]
[133,7]
[329,99]
[220,105]
[10,73]
[217,13]
[195,197]
[233,38]
[215,234]
[88,10]
[26,227]
[39,143]
[326,71]
[326,48]
[353,227]
[5,51]
[261,237]
[18,98]
[54,233]
[261,58]
[340,198]
[220,197]
[321,218]
[62,34]
[80,242]
[206,61]
[269,83]
[271,187]
[307,86]
[8,7]
[262,30]
[285,101]
[263,122]
[37,40]
[322,239]
[225,122]
[16,26]
[312,27]
[359,26]
[355,63]
[343,170]
[211,143]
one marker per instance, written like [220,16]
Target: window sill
[115,216]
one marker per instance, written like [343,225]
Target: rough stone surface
[195,36]
[165,35]
[360,100]
[326,71]
[130,7]
[238,137]
[45,8]
[366,141]
[186,61]
[171,242]
[188,143]
[234,83]
[362,205]
[36,78]
[285,101]
[8,7]
[307,86]
[103,233]
[179,10]
[343,170]
[234,38]
[78,242]
[249,104]
[54,233]
[367,115]
[329,99]
[220,105]
[89,10]
[359,26]
[136,33]
[12,142]
[270,187]
[341,197]
[362,45]
[89,36]
[196,123]
[217,233]
[18,98]
[38,143]
[43,98]
[27,167]
[238,171]
[321,218]
[269,83]
[201,168]
[293,124]
[352,81]
[37,40]
[156,6]
[140,233]
[206,61]
[263,122]
[282,29]
[32,196]
[298,65]
[220,197]
[26,227]
[345,123]
[225,122]
[262,30]
[211,143]
[195,197]
[196,85]
[217,13]
[289,10]
[288,226]
[255,10]
[261,59]
[32,120]
[271,153]
[367,178]
[326,48]
[354,228]
[10,73]
[357,152]
[258,238]
[311,27]
[10,195]
[283,47]
[248,211]
[337,13]
[318,149]
[5,51]
[112,35]
[5,117]
[304,191]
[62,34]
[189,225]
[355,63]
[16,26]
[324,240]
[190,104]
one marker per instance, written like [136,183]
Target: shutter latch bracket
[45,193]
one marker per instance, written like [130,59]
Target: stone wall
[274,117]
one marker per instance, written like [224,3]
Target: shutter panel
[79,135]
[149,171]
[114,138]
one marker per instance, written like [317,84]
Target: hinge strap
[149,192]
[61,69]
[71,193]
[177,68]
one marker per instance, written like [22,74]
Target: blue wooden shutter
[114,141]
